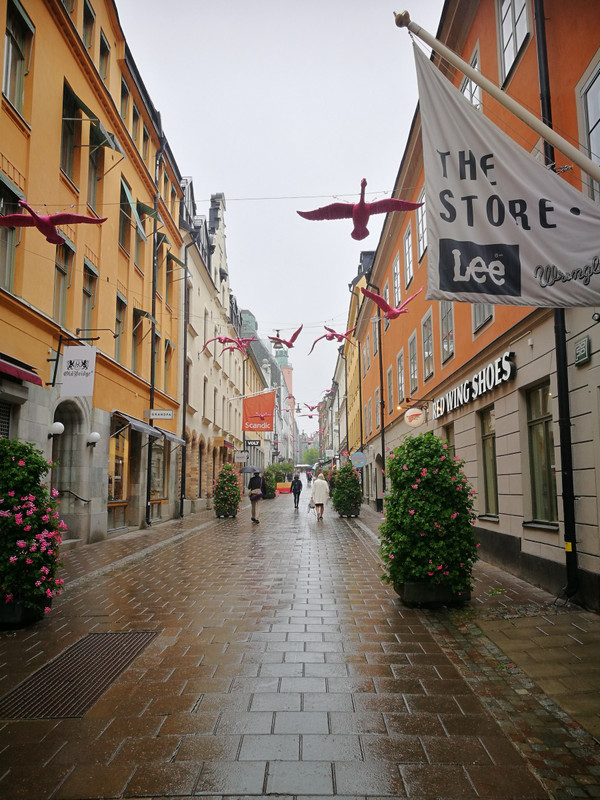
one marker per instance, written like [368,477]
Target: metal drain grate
[72,682]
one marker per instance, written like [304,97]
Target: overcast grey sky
[284,106]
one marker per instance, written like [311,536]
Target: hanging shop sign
[414,417]
[358,459]
[78,371]
[253,442]
[484,380]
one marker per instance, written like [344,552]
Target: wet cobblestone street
[283,666]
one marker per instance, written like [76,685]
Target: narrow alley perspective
[217,658]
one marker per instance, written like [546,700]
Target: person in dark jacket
[296,488]
[256,490]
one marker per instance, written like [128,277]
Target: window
[386,297]
[145,144]
[364,360]
[156,356]
[8,239]
[135,123]
[469,88]
[138,255]
[368,352]
[400,375]
[514,27]
[118,460]
[104,60]
[136,341]
[421,227]
[88,25]
[449,437]
[124,219]
[5,414]
[591,106]
[70,122]
[377,408]
[447,329]
[366,420]
[488,451]
[375,339]
[541,454]
[124,99]
[370,417]
[413,369]
[120,327]
[390,390]
[95,166]
[482,312]
[90,278]
[159,469]
[408,257]
[17,51]
[396,280]
[167,365]
[62,274]
[427,336]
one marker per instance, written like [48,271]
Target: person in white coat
[320,493]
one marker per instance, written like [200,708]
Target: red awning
[17,369]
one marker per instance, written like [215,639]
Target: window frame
[421,222]
[446,330]
[487,427]
[408,256]
[504,40]
[544,483]
[413,364]
[17,54]
[400,377]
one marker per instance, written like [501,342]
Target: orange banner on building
[257,412]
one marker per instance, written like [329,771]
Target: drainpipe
[185,388]
[560,338]
[159,154]
[381,397]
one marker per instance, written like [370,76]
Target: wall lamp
[596,317]
[93,439]
[56,429]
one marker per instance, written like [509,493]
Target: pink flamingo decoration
[220,339]
[287,343]
[359,212]
[333,335]
[389,311]
[46,223]
[311,408]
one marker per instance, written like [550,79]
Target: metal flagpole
[593,170]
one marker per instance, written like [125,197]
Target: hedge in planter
[347,492]
[270,476]
[427,535]
[228,492]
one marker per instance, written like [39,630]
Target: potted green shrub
[227,492]
[428,546]
[347,492]
[270,476]
[30,535]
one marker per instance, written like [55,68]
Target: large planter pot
[418,594]
[350,512]
[17,615]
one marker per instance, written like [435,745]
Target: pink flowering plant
[30,528]
[227,492]
[427,534]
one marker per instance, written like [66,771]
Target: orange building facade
[508,434]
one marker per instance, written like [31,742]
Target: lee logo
[479,268]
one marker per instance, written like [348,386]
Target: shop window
[104,60]
[447,329]
[18,42]
[541,454]
[8,239]
[413,367]
[487,419]
[408,257]
[421,227]
[514,27]
[427,335]
[118,474]
[400,374]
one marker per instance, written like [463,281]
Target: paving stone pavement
[282,666]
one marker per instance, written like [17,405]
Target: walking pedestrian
[320,494]
[296,488]
[256,489]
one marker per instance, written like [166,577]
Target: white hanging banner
[78,371]
[501,228]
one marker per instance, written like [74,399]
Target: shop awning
[139,425]
[170,436]
[18,369]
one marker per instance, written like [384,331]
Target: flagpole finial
[402,19]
